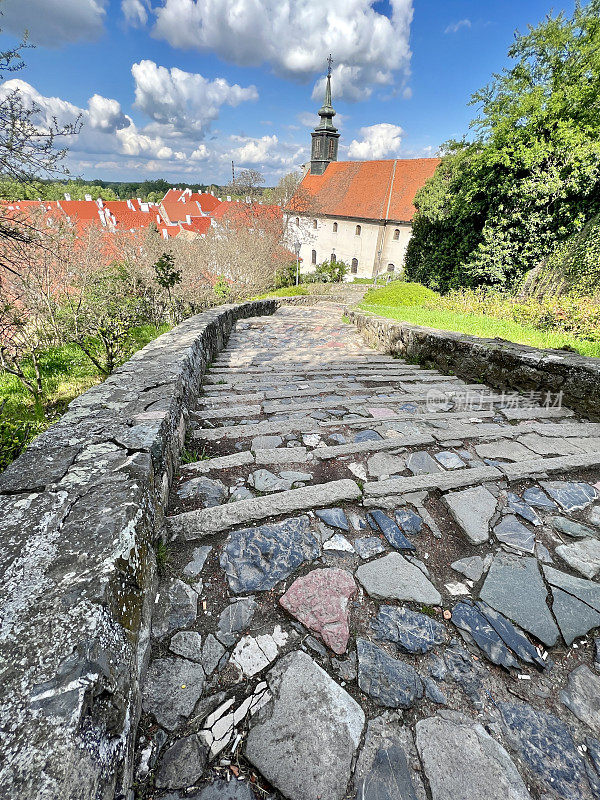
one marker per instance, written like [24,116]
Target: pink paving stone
[381,411]
[319,600]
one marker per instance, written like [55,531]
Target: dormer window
[396,235]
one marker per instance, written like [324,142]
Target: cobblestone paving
[379,582]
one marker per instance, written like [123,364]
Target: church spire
[325,136]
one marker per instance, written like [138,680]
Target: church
[359,212]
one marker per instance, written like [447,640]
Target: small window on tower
[390,268]
[331,148]
[354,266]
[358,230]
[396,235]
[313,258]
[297,222]
[314,223]
[335,227]
[332,259]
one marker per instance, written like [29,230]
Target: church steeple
[325,136]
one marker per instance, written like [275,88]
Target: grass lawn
[67,373]
[405,301]
[287,291]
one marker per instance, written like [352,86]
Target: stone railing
[496,362]
[81,512]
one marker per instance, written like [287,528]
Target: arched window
[358,230]
[335,227]
[332,148]
[390,267]
[396,235]
[314,223]
[297,222]
[313,258]
[354,266]
[332,259]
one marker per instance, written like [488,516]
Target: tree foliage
[498,205]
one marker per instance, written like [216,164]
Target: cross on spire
[330,62]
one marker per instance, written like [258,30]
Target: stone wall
[498,363]
[80,514]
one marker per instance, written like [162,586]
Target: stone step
[388,493]
[540,413]
[198,524]
[220,462]
[300,425]
[408,417]
[541,466]
[395,443]
[228,411]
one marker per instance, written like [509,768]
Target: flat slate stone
[387,680]
[305,739]
[570,495]
[409,522]
[463,762]
[450,460]
[173,687]
[212,653]
[234,620]
[263,480]
[182,764]
[177,607]
[504,449]
[383,465]
[545,745]
[389,777]
[421,463]
[320,601]
[515,588]
[379,521]
[574,617]
[394,578]
[338,542]
[256,559]
[187,644]
[473,510]
[536,498]
[571,528]
[411,631]
[334,517]
[468,618]
[582,696]
[514,534]
[208,491]
[511,636]
[225,790]
[522,509]
[583,556]
[368,546]
[367,436]
[199,555]
[471,568]
[586,591]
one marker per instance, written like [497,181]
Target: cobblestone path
[379,582]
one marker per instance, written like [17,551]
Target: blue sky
[179,88]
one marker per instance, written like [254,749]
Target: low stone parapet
[81,511]
[569,378]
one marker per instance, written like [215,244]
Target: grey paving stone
[463,762]
[367,436]
[515,588]
[574,618]
[235,619]
[450,460]
[546,747]
[182,764]
[389,681]
[212,653]
[471,568]
[586,591]
[368,546]
[221,462]
[469,674]
[177,607]
[434,693]
[266,442]
[263,480]
[383,465]
[372,447]
[410,631]
[572,528]
[282,455]
[240,493]
[187,644]
[207,491]
[164,694]
[305,739]
[199,555]
[381,522]
[536,498]
[548,445]
[582,556]
[196,524]
[582,696]
[422,463]
[503,449]
[334,517]
[514,534]
[512,636]
[226,790]
[337,438]
[409,522]
[394,578]
[256,559]
[473,510]
[570,495]
[469,619]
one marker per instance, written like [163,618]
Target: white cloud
[255,151]
[201,153]
[53,23]
[105,114]
[295,37]
[135,12]
[185,100]
[378,141]
[456,26]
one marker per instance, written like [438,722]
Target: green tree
[498,205]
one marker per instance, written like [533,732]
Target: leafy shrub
[401,293]
[14,438]
[332,271]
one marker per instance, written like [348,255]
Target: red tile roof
[134,219]
[247,213]
[82,209]
[208,202]
[177,211]
[197,225]
[377,190]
